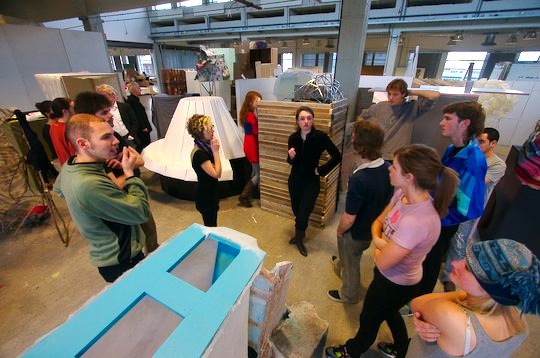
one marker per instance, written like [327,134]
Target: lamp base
[185,190]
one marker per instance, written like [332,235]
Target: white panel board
[86,51]
[35,50]
[12,90]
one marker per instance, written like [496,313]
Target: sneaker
[405,311]
[337,352]
[387,349]
[334,296]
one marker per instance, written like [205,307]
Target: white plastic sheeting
[171,156]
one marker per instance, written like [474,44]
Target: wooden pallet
[276,123]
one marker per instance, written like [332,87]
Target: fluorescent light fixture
[530,35]
[512,39]
[490,40]
[458,36]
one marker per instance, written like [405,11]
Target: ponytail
[424,164]
[446,189]
[58,105]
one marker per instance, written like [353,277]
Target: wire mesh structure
[14,180]
[322,88]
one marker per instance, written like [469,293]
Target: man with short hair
[125,120]
[462,122]
[496,167]
[105,215]
[99,105]
[140,112]
[396,116]
[368,193]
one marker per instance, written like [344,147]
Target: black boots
[245,197]
[298,239]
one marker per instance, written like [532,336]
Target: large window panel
[457,64]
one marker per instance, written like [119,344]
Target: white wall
[516,126]
[127,26]
[27,50]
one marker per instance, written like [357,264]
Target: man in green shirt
[108,217]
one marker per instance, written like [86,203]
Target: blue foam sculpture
[198,309]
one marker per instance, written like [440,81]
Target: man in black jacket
[144,125]
[125,120]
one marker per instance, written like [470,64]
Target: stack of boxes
[276,123]
[174,81]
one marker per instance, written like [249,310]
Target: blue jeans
[255,173]
[458,244]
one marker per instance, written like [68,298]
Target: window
[383,4]
[333,63]
[374,58]
[162,7]
[529,56]
[145,64]
[285,60]
[139,63]
[457,64]
[312,59]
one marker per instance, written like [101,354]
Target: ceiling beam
[51,10]
[249,4]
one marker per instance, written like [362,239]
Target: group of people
[96,141]
[130,120]
[432,199]
[404,198]
[305,147]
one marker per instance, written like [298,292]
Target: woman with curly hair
[207,165]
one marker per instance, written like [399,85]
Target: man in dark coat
[140,112]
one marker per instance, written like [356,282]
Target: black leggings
[208,207]
[303,192]
[432,264]
[382,303]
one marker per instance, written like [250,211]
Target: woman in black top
[207,165]
[306,146]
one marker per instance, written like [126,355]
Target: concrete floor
[42,282]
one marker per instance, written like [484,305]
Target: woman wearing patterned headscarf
[497,279]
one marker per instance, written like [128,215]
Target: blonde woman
[207,165]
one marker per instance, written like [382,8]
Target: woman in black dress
[207,165]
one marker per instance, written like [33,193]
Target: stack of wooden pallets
[276,123]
